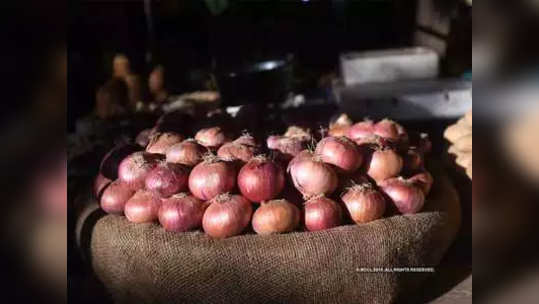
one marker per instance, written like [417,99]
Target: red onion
[212,177]
[100,183]
[361,131]
[181,212]
[188,153]
[340,152]
[288,147]
[135,167]
[261,179]
[233,151]
[387,128]
[340,126]
[167,179]
[111,161]
[423,180]
[311,176]
[364,203]
[160,142]
[322,213]
[211,137]
[383,164]
[413,160]
[276,216]
[143,138]
[298,133]
[115,196]
[142,207]
[247,140]
[227,215]
[407,197]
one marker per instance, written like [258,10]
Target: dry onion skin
[189,152]
[228,215]
[161,142]
[181,212]
[322,213]
[261,179]
[212,177]
[364,203]
[311,176]
[276,216]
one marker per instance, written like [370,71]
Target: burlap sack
[142,263]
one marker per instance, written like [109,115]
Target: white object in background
[389,65]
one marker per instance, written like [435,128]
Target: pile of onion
[242,149]
[406,196]
[383,163]
[340,152]
[188,153]
[227,215]
[212,177]
[364,203]
[115,196]
[211,138]
[181,212]
[261,179]
[276,216]
[167,178]
[135,167]
[142,207]
[311,176]
[160,142]
[322,213]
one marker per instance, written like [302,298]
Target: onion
[188,153]
[247,140]
[340,152]
[383,164]
[142,207]
[160,142]
[364,203]
[340,126]
[413,160]
[273,141]
[407,197]
[143,138]
[298,133]
[261,179]
[390,130]
[181,212]
[100,183]
[212,177]
[167,179]
[227,215]
[115,196]
[211,137]
[276,216]
[135,167]
[233,151]
[311,176]
[423,180]
[111,161]
[361,131]
[322,213]
[287,146]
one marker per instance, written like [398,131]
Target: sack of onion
[208,250]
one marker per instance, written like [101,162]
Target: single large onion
[322,213]
[227,215]
[135,167]
[181,212]
[111,161]
[161,142]
[311,176]
[142,207]
[364,203]
[167,179]
[211,137]
[261,179]
[233,151]
[115,196]
[212,177]
[100,183]
[383,164]
[340,152]
[407,197]
[188,153]
[276,216]
[361,131]
[423,180]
